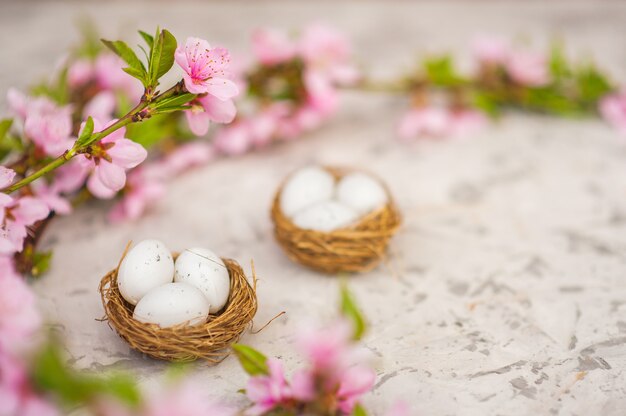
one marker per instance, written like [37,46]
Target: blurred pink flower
[328,51]
[109,166]
[528,68]
[399,408]
[110,76]
[427,121]
[491,50]
[327,348]
[355,382]
[205,69]
[6,178]
[272,46]
[185,399]
[71,176]
[51,196]
[234,139]
[140,193]
[269,391]
[613,109]
[19,318]
[80,72]
[17,397]
[208,108]
[15,217]
[439,122]
[46,124]
[184,157]
[101,106]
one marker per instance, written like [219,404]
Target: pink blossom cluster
[20,323]
[333,382]
[325,55]
[613,110]
[525,68]
[104,77]
[436,122]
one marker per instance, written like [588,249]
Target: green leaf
[5,126]
[167,53]
[148,38]
[559,67]
[441,72]
[174,101]
[155,58]
[135,73]
[86,132]
[350,310]
[51,374]
[121,49]
[252,361]
[41,263]
[359,410]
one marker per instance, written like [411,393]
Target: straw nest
[357,248]
[209,341]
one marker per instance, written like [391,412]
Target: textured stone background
[506,291]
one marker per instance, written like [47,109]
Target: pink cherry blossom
[80,72]
[268,391]
[182,158]
[327,348]
[233,140]
[208,108]
[110,76]
[613,109]
[51,196]
[355,382]
[427,121]
[6,177]
[50,132]
[141,192]
[528,68]
[205,69]
[328,51]
[71,176]
[101,106]
[16,217]
[185,399]
[491,50]
[109,167]
[399,408]
[439,122]
[17,396]
[19,318]
[272,46]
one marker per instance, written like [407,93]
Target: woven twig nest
[209,341]
[356,248]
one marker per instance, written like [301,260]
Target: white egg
[147,265]
[173,304]
[205,270]
[305,188]
[361,192]
[325,216]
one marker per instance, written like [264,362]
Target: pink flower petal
[220,111]
[198,121]
[127,154]
[30,210]
[222,88]
[111,175]
[6,176]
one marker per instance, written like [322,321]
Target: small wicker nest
[209,341]
[357,248]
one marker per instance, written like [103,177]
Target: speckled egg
[325,216]
[203,269]
[305,188]
[147,265]
[173,304]
[361,192]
